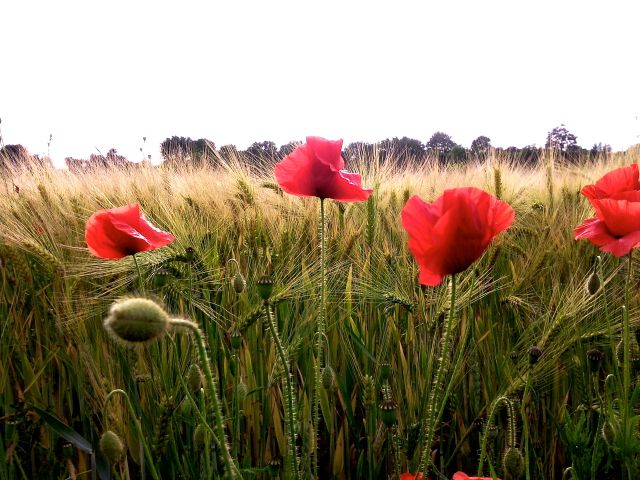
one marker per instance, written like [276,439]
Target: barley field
[525,395]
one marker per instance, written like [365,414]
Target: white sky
[105,74]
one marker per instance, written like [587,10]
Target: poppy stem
[320,334]
[136,424]
[433,413]
[230,466]
[140,282]
[290,410]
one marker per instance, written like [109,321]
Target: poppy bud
[388,410]
[136,320]
[513,463]
[265,287]
[594,357]
[385,371]
[534,355]
[607,433]
[593,283]
[236,338]
[111,446]
[189,254]
[194,378]
[199,436]
[514,357]
[492,431]
[328,377]
[239,283]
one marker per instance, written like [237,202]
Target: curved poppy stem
[138,428]
[140,282]
[434,413]
[230,466]
[319,335]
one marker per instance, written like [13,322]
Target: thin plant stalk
[138,427]
[230,467]
[290,406]
[139,272]
[434,413]
[320,333]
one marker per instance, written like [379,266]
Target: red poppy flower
[118,232]
[315,169]
[464,476]
[410,476]
[448,235]
[616,200]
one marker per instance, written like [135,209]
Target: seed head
[388,409]
[265,287]
[594,357]
[199,436]
[242,391]
[111,446]
[534,354]
[608,433]
[235,337]
[136,320]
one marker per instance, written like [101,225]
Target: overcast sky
[98,75]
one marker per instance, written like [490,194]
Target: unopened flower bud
[194,378]
[593,283]
[241,391]
[607,433]
[239,283]
[514,357]
[136,320]
[328,377]
[275,464]
[199,436]
[111,446]
[236,338]
[513,463]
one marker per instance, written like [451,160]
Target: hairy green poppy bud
[534,354]
[194,378]
[385,371]
[607,433]
[239,283]
[492,432]
[199,436]
[189,254]
[67,450]
[111,446]
[136,320]
[388,409]
[594,357]
[513,463]
[328,377]
[265,287]
[593,283]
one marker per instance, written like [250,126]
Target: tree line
[184,151]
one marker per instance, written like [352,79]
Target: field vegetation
[523,369]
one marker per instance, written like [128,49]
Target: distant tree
[401,150]
[262,151]
[600,149]
[287,148]
[175,147]
[440,144]
[357,150]
[562,140]
[458,154]
[480,147]
[184,150]
[529,155]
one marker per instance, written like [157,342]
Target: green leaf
[64,430]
